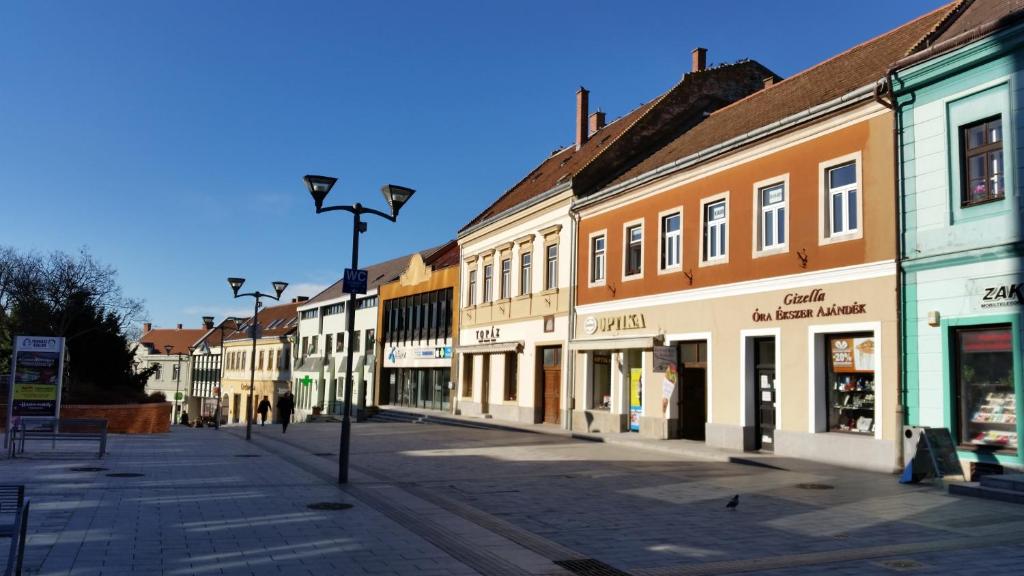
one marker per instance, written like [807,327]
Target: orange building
[739,285]
[418,326]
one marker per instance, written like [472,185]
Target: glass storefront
[417,387]
[851,383]
[601,368]
[985,390]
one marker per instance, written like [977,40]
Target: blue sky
[170,137]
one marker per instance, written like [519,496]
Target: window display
[601,365]
[851,383]
[985,388]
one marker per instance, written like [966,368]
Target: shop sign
[996,293]
[443,352]
[488,335]
[37,376]
[853,354]
[813,304]
[615,323]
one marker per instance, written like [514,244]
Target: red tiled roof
[179,339]
[445,256]
[855,68]
[275,321]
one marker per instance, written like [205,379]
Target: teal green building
[958,104]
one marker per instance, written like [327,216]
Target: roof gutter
[859,95]
[558,189]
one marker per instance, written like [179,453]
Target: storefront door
[238,408]
[764,394]
[693,403]
[485,387]
[551,371]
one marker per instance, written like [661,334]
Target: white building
[169,349]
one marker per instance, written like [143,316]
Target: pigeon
[733,503]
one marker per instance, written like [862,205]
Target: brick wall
[125,418]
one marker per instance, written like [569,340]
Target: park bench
[17,531]
[54,429]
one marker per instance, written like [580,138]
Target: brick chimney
[146,327]
[596,122]
[582,101]
[769,81]
[179,326]
[700,59]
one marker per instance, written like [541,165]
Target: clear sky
[170,137]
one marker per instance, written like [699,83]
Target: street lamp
[396,197]
[177,382]
[220,364]
[236,284]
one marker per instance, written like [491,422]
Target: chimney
[596,122]
[769,81]
[146,327]
[179,326]
[208,322]
[299,299]
[700,59]
[582,97]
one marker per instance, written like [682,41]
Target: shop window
[467,375]
[851,383]
[597,259]
[551,270]
[525,265]
[771,223]
[506,278]
[601,380]
[488,282]
[634,249]
[715,231]
[985,390]
[511,376]
[671,255]
[981,157]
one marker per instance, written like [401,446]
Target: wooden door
[551,371]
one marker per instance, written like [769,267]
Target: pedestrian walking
[263,408]
[285,407]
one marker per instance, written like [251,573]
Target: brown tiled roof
[376,275]
[180,339]
[275,321]
[212,336]
[855,68]
[445,256]
[973,15]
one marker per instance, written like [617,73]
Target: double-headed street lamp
[177,383]
[396,197]
[220,365]
[236,284]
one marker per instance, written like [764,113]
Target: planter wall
[125,418]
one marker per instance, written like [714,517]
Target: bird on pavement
[733,503]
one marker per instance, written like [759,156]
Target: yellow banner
[35,392]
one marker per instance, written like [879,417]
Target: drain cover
[125,475]
[247,455]
[590,567]
[902,564]
[323,454]
[813,486]
[88,469]
[328,506]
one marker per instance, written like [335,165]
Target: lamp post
[220,363]
[177,383]
[236,284]
[396,197]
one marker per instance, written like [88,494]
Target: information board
[37,376]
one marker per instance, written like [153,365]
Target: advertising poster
[635,398]
[853,354]
[36,378]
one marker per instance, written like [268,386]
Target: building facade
[206,373]
[963,292]
[272,355]
[737,286]
[417,327]
[174,368]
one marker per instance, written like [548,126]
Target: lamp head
[396,196]
[236,284]
[318,187]
[279,287]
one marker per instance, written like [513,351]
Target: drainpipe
[570,372]
[886,86]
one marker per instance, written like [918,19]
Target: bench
[12,497]
[54,429]
[18,536]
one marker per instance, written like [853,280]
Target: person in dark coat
[263,408]
[285,407]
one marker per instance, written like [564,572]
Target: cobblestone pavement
[430,499]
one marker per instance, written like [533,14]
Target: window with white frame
[551,269]
[471,291]
[506,278]
[671,243]
[771,202]
[488,282]
[525,267]
[634,249]
[597,258]
[843,207]
[714,230]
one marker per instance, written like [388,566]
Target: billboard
[36,378]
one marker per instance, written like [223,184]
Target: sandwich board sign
[36,378]
[354,281]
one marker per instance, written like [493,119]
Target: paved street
[430,499]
